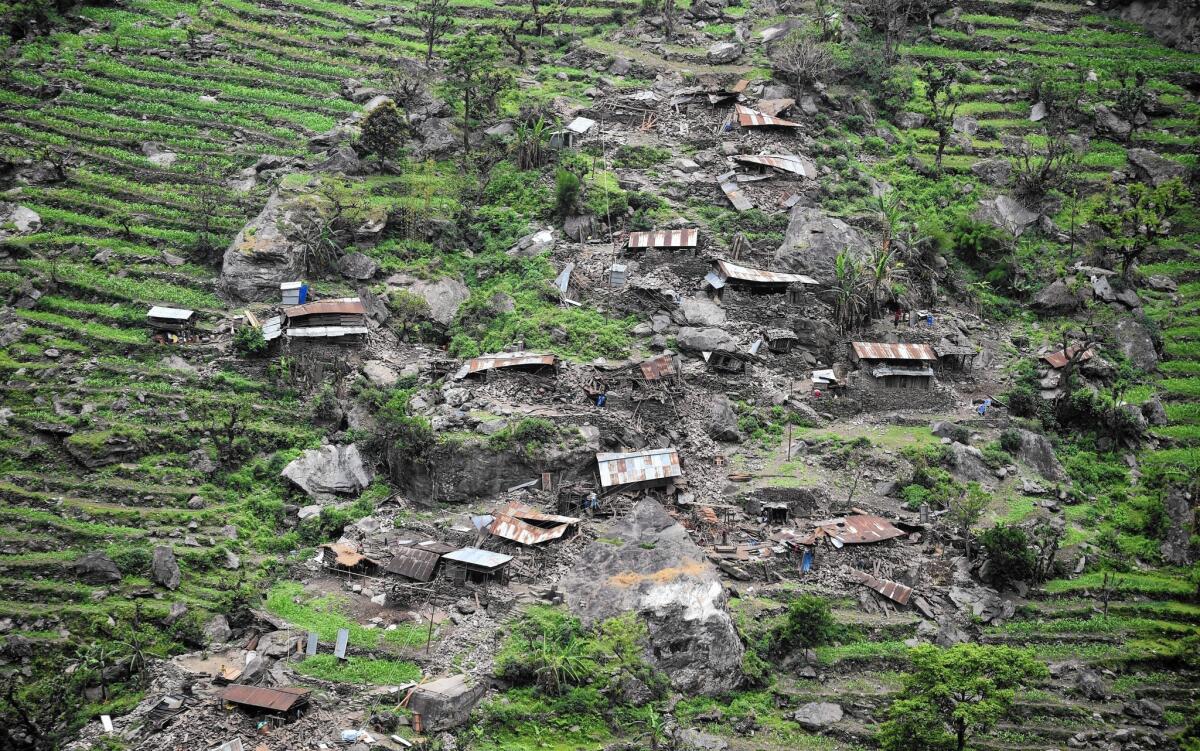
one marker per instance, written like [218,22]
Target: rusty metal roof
[748,118]
[530,514]
[860,528]
[786,162]
[894,591]
[667,238]
[346,555]
[346,305]
[1062,357]
[638,466]
[893,351]
[736,196]
[512,528]
[282,699]
[413,563]
[503,360]
[747,274]
[655,368]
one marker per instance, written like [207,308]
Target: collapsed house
[528,526]
[669,239]
[750,118]
[858,529]
[895,365]
[954,356]
[520,361]
[569,137]
[1058,360]
[171,324]
[780,341]
[417,560]
[637,470]
[789,163]
[723,361]
[477,566]
[344,557]
[343,319]
[285,702]
[444,703]
[729,274]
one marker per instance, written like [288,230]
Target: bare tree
[943,96]
[434,19]
[801,58]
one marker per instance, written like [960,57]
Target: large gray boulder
[17,220]
[1110,124]
[967,463]
[1005,213]
[648,564]
[270,249]
[1151,168]
[164,569]
[96,568]
[813,240]
[723,52]
[329,470]
[723,421]
[818,715]
[1059,297]
[705,340]
[996,171]
[443,296]
[1177,548]
[437,137]
[216,630]
[700,310]
[446,702]
[358,266]
[1136,343]
[1037,451]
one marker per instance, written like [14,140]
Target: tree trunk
[960,729]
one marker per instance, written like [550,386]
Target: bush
[249,340]
[801,58]
[809,623]
[1009,554]
[1010,441]
[567,189]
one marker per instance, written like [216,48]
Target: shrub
[1010,441]
[808,623]
[249,340]
[567,189]
[1009,553]
[801,58]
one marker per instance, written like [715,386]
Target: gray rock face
[436,137]
[723,424]
[707,10]
[967,463]
[96,568]
[995,171]
[268,250]
[1109,123]
[1090,685]
[1154,412]
[380,374]
[1152,168]
[813,240]
[329,470]
[341,161]
[1037,451]
[1177,547]
[1058,297]
[700,310]
[446,702]
[164,569]
[910,120]
[357,266]
[1136,343]
[723,52]
[620,66]
[659,573]
[1006,213]
[705,340]
[217,630]
[818,715]
[17,220]
[1174,22]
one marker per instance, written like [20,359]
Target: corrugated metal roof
[272,328]
[747,274]
[638,466]
[777,334]
[477,557]
[530,514]
[891,370]
[580,125]
[860,528]
[326,331]
[748,118]
[893,351]
[894,591]
[347,305]
[786,162]
[280,699]
[736,196]
[173,314]
[503,360]
[1062,357]
[667,238]
[413,563]
[658,367]
[512,528]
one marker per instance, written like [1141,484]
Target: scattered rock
[1058,297]
[700,310]
[910,120]
[358,266]
[1037,451]
[1151,168]
[329,470]
[1136,343]
[996,171]
[443,296]
[380,374]
[1006,213]
[96,568]
[723,425]
[818,715]
[157,155]
[164,569]
[17,220]
[723,52]
[1108,123]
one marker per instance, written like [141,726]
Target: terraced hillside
[146,134]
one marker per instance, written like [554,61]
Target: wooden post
[429,638]
[789,441]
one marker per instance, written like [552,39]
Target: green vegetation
[359,671]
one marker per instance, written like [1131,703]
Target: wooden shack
[477,566]
[176,322]
[343,319]
[896,365]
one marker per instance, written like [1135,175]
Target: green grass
[325,615]
[359,671]
[1157,583]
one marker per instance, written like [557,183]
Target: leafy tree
[1008,552]
[383,131]
[809,623]
[965,510]
[475,77]
[943,95]
[952,694]
[408,309]
[1132,98]
[434,19]
[1137,218]
[567,189]
[1039,171]
[849,303]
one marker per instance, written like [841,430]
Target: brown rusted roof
[1062,357]
[638,466]
[860,528]
[503,360]
[414,563]
[786,162]
[511,528]
[530,514]
[282,699]
[345,305]
[346,555]
[894,591]
[747,274]
[667,238]
[893,351]
[748,118]
[655,368]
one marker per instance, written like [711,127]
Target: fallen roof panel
[888,370]
[894,591]
[326,331]
[477,557]
[655,368]
[413,563]
[280,699]
[517,530]
[747,274]
[503,360]
[860,528]
[350,305]
[667,238]
[580,125]
[893,351]
[748,118]
[638,466]
[786,162]
[528,513]
[736,196]
[1062,357]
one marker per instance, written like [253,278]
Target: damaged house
[287,702]
[417,561]
[342,319]
[171,324]
[527,362]
[757,281]
[789,163]
[477,566]
[895,365]
[637,470]
[526,525]
[342,556]
[750,118]
[569,137]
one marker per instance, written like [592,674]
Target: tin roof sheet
[893,351]
[1059,359]
[503,360]
[658,367]
[580,125]
[477,557]
[528,513]
[861,528]
[747,274]
[326,331]
[272,328]
[785,162]
[349,305]
[281,699]
[667,238]
[518,530]
[748,118]
[638,466]
[891,370]
[413,563]
[894,591]
[173,314]
[736,196]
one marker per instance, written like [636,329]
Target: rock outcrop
[96,568]
[444,296]
[164,569]
[705,340]
[1037,451]
[813,240]
[1006,214]
[329,470]
[649,565]
[1136,343]
[270,249]
[1173,22]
